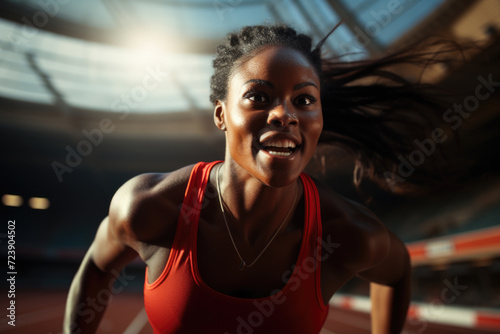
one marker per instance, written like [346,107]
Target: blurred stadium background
[94,92]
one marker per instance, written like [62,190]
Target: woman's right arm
[92,286]
[142,217]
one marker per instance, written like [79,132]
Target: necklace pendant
[242,265]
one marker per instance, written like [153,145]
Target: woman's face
[272,115]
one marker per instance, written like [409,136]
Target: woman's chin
[279,178]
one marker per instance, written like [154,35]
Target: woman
[251,244]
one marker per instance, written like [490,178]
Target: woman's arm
[92,286]
[390,287]
[142,216]
[116,243]
[372,252]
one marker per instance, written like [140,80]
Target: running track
[42,312]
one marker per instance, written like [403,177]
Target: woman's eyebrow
[304,84]
[267,83]
[260,82]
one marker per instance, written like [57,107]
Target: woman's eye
[257,97]
[305,100]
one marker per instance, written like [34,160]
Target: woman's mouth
[279,147]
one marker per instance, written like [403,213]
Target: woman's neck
[255,210]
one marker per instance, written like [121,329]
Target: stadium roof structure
[90,54]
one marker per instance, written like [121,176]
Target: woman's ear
[219,115]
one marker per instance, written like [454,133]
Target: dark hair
[246,42]
[369,110]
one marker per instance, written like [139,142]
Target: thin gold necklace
[243,263]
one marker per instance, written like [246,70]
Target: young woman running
[251,244]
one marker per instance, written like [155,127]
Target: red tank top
[180,302]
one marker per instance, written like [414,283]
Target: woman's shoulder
[145,208]
[363,238]
[335,207]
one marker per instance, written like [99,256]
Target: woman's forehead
[275,63]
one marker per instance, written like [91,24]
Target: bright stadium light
[146,46]
[12,200]
[39,203]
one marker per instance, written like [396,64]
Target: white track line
[140,320]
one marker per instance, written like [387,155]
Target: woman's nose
[282,115]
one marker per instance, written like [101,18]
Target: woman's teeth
[280,143]
[281,154]
[281,148]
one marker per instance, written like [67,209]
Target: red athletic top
[180,302]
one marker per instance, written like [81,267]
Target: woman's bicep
[108,250]
[115,243]
[392,267]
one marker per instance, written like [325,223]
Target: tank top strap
[187,222]
[312,208]
[314,226]
[193,203]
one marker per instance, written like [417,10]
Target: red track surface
[42,312]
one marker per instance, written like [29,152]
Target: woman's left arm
[370,251]
[390,286]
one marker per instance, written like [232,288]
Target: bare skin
[272,96]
